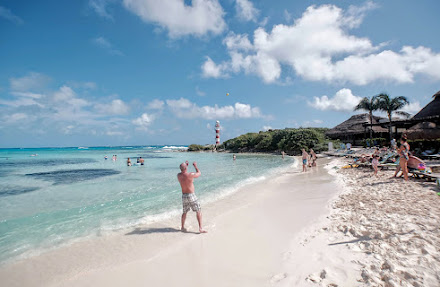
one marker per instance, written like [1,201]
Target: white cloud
[8,15]
[67,130]
[115,107]
[237,42]
[356,14]
[105,44]
[246,10]
[287,16]
[114,133]
[200,92]
[65,93]
[62,110]
[17,117]
[313,123]
[211,70]
[180,19]
[32,81]
[264,21]
[183,108]
[21,102]
[412,108]
[266,128]
[100,7]
[143,122]
[318,47]
[156,104]
[343,101]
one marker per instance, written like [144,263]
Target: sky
[150,72]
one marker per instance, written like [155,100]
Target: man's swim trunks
[190,201]
[304,161]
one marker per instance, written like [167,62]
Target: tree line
[289,140]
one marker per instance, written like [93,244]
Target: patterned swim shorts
[190,201]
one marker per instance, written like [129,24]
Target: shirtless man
[305,157]
[189,199]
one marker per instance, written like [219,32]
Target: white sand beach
[326,227]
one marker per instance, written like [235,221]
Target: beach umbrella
[424,130]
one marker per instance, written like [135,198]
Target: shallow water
[53,196]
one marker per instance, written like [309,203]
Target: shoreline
[210,191]
[89,260]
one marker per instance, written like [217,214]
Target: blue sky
[145,72]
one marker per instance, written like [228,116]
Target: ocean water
[54,196]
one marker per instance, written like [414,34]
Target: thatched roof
[424,130]
[355,126]
[431,111]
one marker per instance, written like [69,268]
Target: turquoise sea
[53,196]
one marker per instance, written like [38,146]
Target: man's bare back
[189,200]
[186,179]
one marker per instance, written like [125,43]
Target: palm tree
[390,106]
[369,105]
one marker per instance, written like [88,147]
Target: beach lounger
[425,175]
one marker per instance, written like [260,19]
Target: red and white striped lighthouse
[217,133]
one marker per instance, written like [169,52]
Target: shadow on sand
[140,231]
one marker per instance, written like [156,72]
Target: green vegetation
[289,140]
[197,147]
[374,142]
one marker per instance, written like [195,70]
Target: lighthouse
[217,133]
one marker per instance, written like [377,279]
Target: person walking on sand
[189,199]
[305,156]
[375,163]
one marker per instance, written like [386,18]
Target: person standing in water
[305,156]
[189,199]
[313,157]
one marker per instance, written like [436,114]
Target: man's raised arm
[197,173]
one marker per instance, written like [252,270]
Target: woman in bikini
[403,157]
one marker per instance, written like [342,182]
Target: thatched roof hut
[431,112]
[355,128]
[424,130]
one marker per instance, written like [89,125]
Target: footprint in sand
[277,278]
